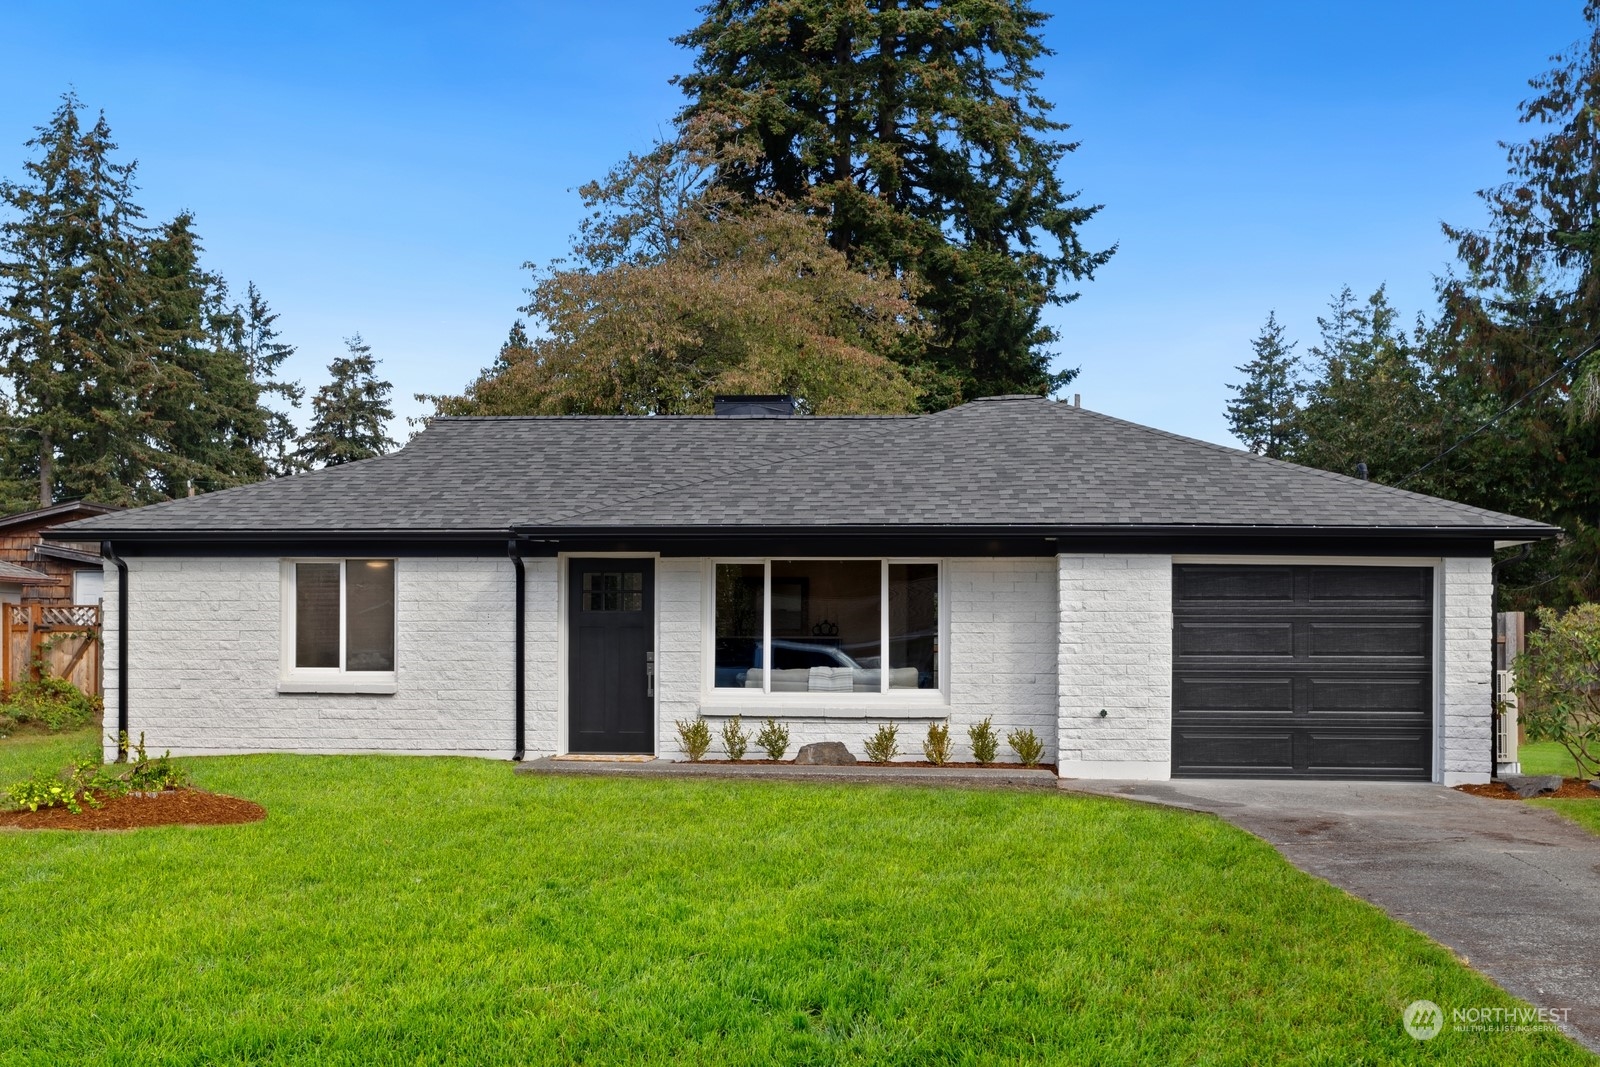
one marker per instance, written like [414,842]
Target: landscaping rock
[1531,785]
[1594,783]
[824,754]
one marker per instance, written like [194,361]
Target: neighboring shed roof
[16,574]
[56,513]
[1022,462]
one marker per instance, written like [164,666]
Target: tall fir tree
[1262,413]
[1371,395]
[919,133]
[204,408]
[127,374]
[70,265]
[1527,307]
[265,352]
[348,414]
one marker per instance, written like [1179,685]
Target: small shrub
[1027,746]
[937,746]
[773,739]
[985,742]
[884,744]
[73,789]
[46,790]
[695,736]
[735,739]
[1558,678]
[146,775]
[54,703]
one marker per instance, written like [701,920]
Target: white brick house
[1148,605]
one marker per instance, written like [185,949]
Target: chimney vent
[760,407]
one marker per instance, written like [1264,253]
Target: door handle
[649,674]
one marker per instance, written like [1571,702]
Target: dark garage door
[1291,671]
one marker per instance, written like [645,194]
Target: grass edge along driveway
[401,910]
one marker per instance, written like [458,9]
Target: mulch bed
[173,807]
[1571,789]
[892,765]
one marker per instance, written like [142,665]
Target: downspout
[1523,552]
[122,648]
[519,643]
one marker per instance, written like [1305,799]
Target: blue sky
[388,168]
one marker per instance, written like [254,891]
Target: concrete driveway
[1514,889]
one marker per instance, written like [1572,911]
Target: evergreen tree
[1370,400]
[1527,308]
[204,410]
[265,353]
[918,132]
[128,381]
[1262,413]
[70,265]
[349,414]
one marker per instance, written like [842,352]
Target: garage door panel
[1283,671]
[1403,639]
[1236,751]
[1385,584]
[1229,639]
[1257,693]
[1369,696]
[1231,584]
[1346,752]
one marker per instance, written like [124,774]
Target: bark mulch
[173,807]
[1571,789]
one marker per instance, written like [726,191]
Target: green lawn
[395,910]
[27,752]
[1548,757]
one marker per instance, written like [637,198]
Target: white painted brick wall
[1467,630]
[1115,654]
[1002,665]
[543,667]
[204,662]
[679,638]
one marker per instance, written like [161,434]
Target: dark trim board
[811,543]
[1302,671]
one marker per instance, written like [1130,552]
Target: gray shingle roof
[17,574]
[1015,461]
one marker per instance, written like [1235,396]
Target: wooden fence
[63,642]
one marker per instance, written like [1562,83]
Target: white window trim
[884,700]
[293,679]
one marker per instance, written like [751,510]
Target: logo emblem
[1423,1019]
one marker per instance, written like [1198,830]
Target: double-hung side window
[826,626]
[341,617]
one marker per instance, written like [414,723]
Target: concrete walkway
[992,778]
[1513,888]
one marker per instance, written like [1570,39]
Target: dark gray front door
[1302,671]
[610,656]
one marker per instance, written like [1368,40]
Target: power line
[1558,372]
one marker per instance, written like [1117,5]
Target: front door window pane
[369,615]
[316,615]
[913,626]
[738,624]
